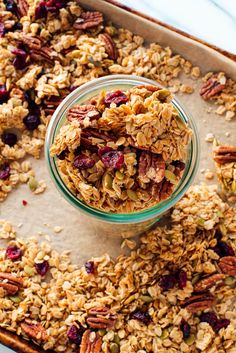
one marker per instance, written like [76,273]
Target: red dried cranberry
[55,5]
[4,171]
[42,267]
[182,279]
[31,122]
[117,97]
[20,60]
[89,267]
[104,150]
[113,159]
[75,334]
[13,253]
[221,323]
[218,234]
[83,162]
[167,282]
[4,94]
[185,328]
[72,88]
[141,316]
[2,30]
[210,318]
[178,164]
[40,10]
[9,138]
[62,155]
[24,203]
[223,249]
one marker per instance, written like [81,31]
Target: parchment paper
[49,209]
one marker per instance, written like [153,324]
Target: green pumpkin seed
[119,175]
[107,181]
[220,214]
[171,177]
[114,348]
[15,299]
[190,340]
[94,62]
[163,94]
[229,281]
[29,270]
[116,339]
[146,298]
[132,195]
[195,278]
[33,184]
[233,186]
[165,334]
[201,221]
[102,332]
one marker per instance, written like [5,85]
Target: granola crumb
[209,137]
[57,229]
[229,115]
[227,134]
[131,244]
[209,175]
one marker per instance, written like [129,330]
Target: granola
[124,152]
[175,292]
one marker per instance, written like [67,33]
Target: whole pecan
[43,53]
[227,265]
[89,132]
[101,317]
[80,112]
[31,42]
[88,19]
[34,330]
[91,342]
[208,282]
[224,154]
[151,167]
[10,283]
[110,46]
[199,302]
[211,87]
[22,7]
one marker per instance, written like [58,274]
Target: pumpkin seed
[119,175]
[165,334]
[171,177]
[33,184]
[229,281]
[132,195]
[163,94]
[114,348]
[107,181]
[195,278]
[146,298]
[29,270]
[116,339]
[201,221]
[102,332]
[190,340]
[220,214]
[233,186]
[15,299]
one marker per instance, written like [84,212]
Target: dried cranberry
[185,328]
[75,334]
[42,267]
[223,249]
[89,267]
[72,88]
[113,159]
[40,10]
[221,323]
[210,318]
[104,150]
[117,97]
[83,162]
[218,234]
[55,5]
[20,60]
[13,253]
[24,203]
[142,316]
[11,6]
[62,155]
[4,171]
[17,26]
[31,122]
[182,279]
[167,282]
[4,94]
[178,164]
[9,138]
[2,30]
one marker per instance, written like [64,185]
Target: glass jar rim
[123,218]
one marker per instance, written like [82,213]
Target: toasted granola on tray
[174,293]
[126,151]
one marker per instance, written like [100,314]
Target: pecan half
[80,112]
[89,132]
[151,167]
[101,317]
[110,46]
[199,302]
[91,342]
[211,88]
[224,154]
[22,7]
[10,283]
[88,19]
[34,330]
[31,42]
[227,265]
[43,53]
[209,282]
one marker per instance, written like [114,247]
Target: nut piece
[151,167]
[101,317]
[22,7]
[42,54]
[80,112]
[91,342]
[227,265]
[110,46]
[10,283]
[31,42]
[199,302]
[224,154]
[212,87]
[34,330]
[88,20]
[209,282]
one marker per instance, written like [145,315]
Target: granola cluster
[174,293]
[126,151]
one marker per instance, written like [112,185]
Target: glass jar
[125,224]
